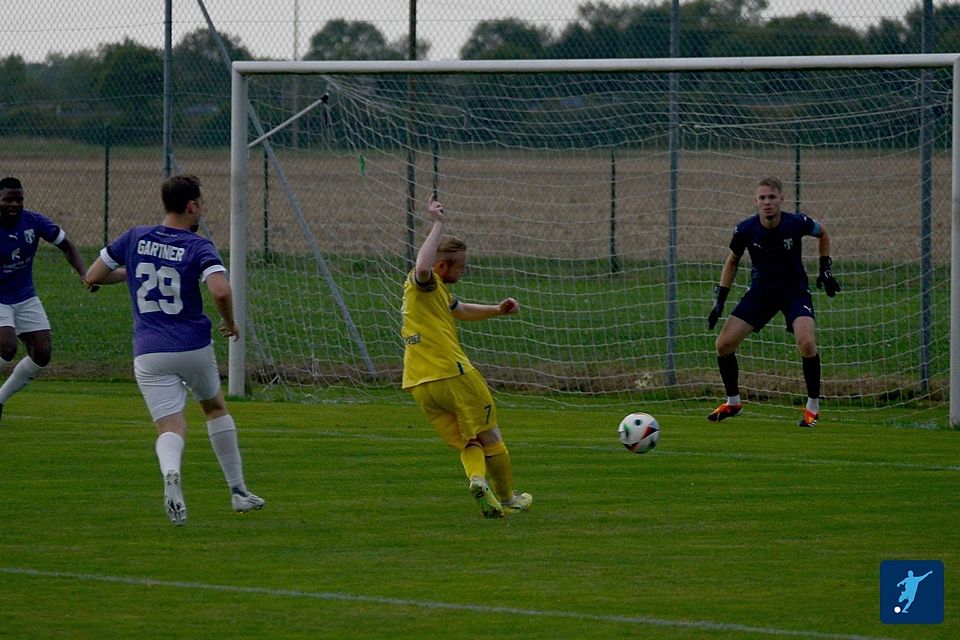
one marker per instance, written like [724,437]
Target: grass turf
[747,529]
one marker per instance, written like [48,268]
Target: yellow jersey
[432,348]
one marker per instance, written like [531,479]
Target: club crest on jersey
[28,236]
[788,243]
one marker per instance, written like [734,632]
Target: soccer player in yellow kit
[450,391]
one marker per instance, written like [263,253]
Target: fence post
[106,184]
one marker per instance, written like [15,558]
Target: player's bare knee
[8,352]
[40,357]
[725,347]
[808,348]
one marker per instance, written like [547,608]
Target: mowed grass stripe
[427,604]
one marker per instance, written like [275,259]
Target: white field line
[704,625]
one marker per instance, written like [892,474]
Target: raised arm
[428,250]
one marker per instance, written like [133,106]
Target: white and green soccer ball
[639,432]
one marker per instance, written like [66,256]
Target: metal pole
[266,205]
[106,185]
[411,138]
[955,253]
[926,202]
[614,260]
[295,80]
[236,370]
[672,303]
[797,180]
[168,89]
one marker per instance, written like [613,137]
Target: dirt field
[547,204]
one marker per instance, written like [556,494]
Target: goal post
[402,135]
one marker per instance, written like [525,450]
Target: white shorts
[24,316]
[164,378]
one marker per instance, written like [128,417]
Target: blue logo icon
[911,592]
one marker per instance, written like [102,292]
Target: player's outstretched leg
[500,470]
[173,498]
[483,494]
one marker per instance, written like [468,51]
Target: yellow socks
[472,459]
[500,470]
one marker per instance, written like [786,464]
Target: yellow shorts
[459,407]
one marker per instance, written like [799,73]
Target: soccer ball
[639,432]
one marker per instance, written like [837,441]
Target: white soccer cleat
[244,501]
[173,499]
[489,504]
[517,502]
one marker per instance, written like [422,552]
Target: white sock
[223,439]
[733,400]
[22,374]
[813,405]
[169,452]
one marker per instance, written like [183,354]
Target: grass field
[749,529]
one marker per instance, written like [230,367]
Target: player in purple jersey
[164,266]
[778,283]
[21,312]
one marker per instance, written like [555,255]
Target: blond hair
[772,182]
[450,244]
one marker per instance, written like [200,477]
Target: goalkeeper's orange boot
[725,411]
[809,419]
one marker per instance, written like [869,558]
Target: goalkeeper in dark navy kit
[778,283]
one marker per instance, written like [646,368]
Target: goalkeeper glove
[717,306]
[825,280]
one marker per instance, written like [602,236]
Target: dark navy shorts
[757,307]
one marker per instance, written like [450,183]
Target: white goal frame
[242,116]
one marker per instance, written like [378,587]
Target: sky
[33,28]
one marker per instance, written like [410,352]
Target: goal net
[604,202]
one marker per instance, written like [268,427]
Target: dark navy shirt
[775,254]
[18,246]
[165,267]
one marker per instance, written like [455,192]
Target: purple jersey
[165,267]
[18,245]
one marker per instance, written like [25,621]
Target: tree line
[115,92]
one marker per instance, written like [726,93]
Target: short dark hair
[177,191]
[10,183]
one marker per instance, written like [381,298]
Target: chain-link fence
[90,74]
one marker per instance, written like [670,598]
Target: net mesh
[563,187]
